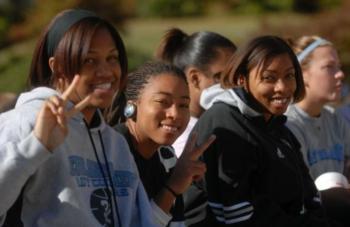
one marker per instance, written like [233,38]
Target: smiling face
[323,76]
[273,84]
[100,72]
[162,109]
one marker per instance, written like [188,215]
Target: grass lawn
[141,38]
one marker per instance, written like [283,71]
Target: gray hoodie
[66,187]
[216,93]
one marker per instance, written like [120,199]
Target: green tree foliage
[171,8]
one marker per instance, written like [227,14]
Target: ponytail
[172,41]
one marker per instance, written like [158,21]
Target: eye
[184,105]
[162,102]
[113,59]
[268,78]
[290,76]
[89,61]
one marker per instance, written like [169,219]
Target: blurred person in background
[324,136]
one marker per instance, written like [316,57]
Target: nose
[173,112]
[280,85]
[340,75]
[103,70]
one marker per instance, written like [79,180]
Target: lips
[170,128]
[104,86]
[280,101]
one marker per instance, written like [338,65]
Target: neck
[313,108]
[88,114]
[267,116]
[143,144]
[196,110]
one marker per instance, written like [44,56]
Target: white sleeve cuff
[161,217]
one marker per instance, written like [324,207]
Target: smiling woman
[157,112]
[255,172]
[68,167]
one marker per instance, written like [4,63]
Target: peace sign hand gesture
[51,123]
[188,167]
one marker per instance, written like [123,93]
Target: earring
[129,110]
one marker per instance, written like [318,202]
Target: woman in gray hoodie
[58,158]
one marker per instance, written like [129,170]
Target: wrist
[171,190]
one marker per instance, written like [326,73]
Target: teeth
[169,128]
[103,86]
[280,101]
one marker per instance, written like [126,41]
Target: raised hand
[188,167]
[51,123]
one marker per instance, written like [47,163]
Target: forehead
[102,38]
[281,62]
[324,53]
[166,83]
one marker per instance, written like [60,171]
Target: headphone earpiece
[129,110]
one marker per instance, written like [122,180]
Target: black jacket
[154,172]
[255,172]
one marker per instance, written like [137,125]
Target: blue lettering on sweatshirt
[335,153]
[88,174]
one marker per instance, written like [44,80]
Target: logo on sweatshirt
[335,153]
[279,153]
[101,206]
[88,173]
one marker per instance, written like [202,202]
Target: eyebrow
[95,51]
[288,69]
[168,94]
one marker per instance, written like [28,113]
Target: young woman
[255,172]
[157,113]
[70,168]
[323,135]
[203,57]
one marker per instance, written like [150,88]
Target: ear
[193,77]
[130,110]
[52,63]
[306,77]
[241,81]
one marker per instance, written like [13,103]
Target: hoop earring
[129,110]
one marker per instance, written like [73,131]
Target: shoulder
[117,141]
[219,113]
[17,123]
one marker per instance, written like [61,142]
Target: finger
[79,107]
[198,177]
[61,121]
[198,151]
[198,169]
[56,100]
[190,143]
[52,107]
[70,88]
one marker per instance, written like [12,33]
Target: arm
[186,170]
[19,158]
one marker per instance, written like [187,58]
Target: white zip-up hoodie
[66,187]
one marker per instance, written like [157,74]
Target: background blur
[143,22]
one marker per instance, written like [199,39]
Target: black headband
[61,26]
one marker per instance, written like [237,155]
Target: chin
[101,104]
[166,141]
